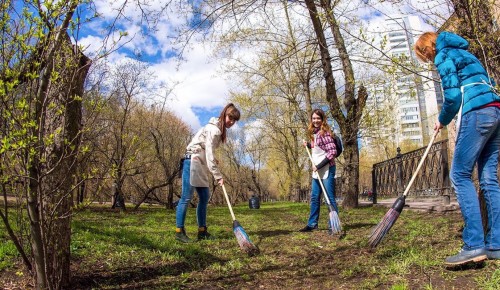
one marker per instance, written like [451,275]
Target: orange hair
[425,47]
[324,125]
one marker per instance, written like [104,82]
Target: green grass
[112,249]
[8,253]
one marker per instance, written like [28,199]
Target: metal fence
[304,194]
[390,177]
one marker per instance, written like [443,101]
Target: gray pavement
[430,204]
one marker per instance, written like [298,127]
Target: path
[430,204]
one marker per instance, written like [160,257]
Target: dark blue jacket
[459,68]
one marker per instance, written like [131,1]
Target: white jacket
[202,149]
[318,155]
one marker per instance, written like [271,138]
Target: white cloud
[196,82]
[199,83]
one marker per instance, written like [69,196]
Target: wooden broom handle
[319,178]
[228,202]
[420,163]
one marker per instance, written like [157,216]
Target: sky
[199,88]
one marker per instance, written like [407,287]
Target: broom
[333,217]
[244,241]
[392,215]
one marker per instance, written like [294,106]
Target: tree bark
[349,123]
[58,186]
[54,168]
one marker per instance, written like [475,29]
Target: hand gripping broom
[392,215]
[244,241]
[333,217]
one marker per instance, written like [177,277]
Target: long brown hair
[324,124]
[425,47]
[233,113]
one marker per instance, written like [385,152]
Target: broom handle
[420,163]
[319,178]
[228,202]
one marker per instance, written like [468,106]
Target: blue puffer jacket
[458,67]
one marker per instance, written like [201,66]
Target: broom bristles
[244,241]
[383,227]
[335,222]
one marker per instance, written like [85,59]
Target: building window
[409,118]
[411,109]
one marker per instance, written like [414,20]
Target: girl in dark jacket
[469,93]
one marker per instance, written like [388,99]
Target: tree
[353,103]
[169,136]
[274,91]
[345,102]
[139,142]
[42,78]
[128,83]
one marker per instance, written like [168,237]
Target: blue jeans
[478,141]
[187,195]
[316,194]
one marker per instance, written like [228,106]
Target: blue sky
[200,89]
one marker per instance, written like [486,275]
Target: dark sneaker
[205,235]
[308,229]
[465,256]
[493,255]
[182,237]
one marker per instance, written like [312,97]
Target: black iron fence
[390,177]
[304,194]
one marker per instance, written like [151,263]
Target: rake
[333,217]
[383,227]
[244,241]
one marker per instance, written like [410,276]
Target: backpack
[338,144]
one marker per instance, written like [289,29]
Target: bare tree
[346,105]
[169,136]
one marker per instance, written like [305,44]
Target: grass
[8,253]
[116,250]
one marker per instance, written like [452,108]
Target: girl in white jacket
[199,162]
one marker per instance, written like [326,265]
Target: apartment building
[415,94]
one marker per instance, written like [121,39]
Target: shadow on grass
[467,266]
[193,260]
[353,226]
[275,233]
[119,278]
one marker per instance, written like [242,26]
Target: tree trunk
[62,182]
[170,196]
[37,244]
[53,181]
[349,123]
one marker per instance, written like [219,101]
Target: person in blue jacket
[469,93]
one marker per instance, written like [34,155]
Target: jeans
[478,141]
[316,194]
[187,195]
